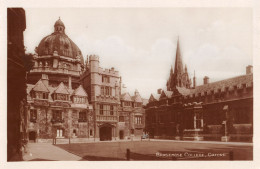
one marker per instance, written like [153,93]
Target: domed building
[67,99]
[58,57]
[58,105]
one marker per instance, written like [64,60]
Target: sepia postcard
[165,84]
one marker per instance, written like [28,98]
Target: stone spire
[179,77]
[178,69]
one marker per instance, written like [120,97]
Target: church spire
[178,69]
[179,77]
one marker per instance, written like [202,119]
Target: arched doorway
[32,136]
[105,132]
[121,134]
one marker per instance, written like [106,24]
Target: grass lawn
[157,150]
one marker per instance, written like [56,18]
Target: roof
[137,98]
[61,89]
[167,94]
[145,102]
[60,42]
[39,86]
[224,84]
[154,97]
[183,91]
[126,97]
[80,92]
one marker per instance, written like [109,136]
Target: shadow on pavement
[40,159]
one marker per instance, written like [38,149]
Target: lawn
[159,150]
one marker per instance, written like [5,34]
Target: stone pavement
[47,152]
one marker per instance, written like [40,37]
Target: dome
[60,42]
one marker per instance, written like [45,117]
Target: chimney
[206,80]
[249,69]
[159,91]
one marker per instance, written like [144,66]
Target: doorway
[105,133]
[32,136]
[121,134]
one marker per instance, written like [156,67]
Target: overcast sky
[141,42]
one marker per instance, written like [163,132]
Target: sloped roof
[223,84]
[154,97]
[183,91]
[39,86]
[126,97]
[137,98]
[167,94]
[145,102]
[61,89]
[80,92]
[219,85]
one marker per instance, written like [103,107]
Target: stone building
[114,116]
[68,98]
[212,111]
[58,104]
[16,74]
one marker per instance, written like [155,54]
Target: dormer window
[127,104]
[58,96]
[39,95]
[78,99]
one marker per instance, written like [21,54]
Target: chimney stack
[249,69]
[206,80]
[159,91]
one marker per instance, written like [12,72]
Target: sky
[141,42]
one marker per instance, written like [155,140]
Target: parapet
[93,57]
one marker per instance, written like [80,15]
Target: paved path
[48,152]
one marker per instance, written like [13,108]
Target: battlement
[93,57]
[111,72]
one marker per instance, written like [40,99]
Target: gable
[137,98]
[39,86]
[126,97]
[61,89]
[80,92]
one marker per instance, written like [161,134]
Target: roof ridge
[225,80]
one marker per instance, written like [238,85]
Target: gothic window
[102,90]
[91,132]
[111,110]
[138,120]
[101,110]
[57,116]
[105,79]
[82,116]
[198,120]
[61,97]
[105,90]
[121,119]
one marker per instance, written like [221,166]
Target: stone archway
[32,136]
[105,132]
[121,134]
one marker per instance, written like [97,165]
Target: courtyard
[145,151]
